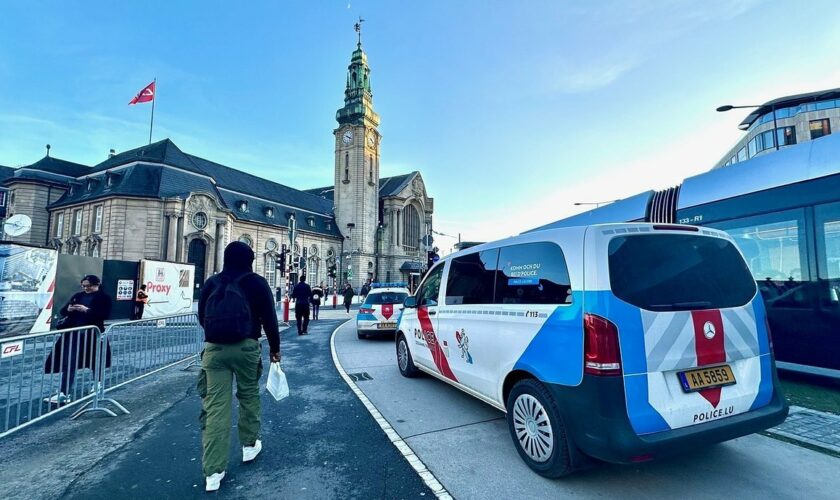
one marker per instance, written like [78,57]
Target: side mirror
[410,302]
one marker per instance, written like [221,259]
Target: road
[466,444]
[319,443]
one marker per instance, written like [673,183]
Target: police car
[378,314]
[659,344]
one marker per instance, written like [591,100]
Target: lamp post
[727,107]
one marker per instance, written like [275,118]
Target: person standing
[348,294]
[234,307]
[364,292]
[79,349]
[317,295]
[140,302]
[302,294]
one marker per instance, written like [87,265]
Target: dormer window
[329,226]
[242,206]
[310,221]
[269,212]
[91,183]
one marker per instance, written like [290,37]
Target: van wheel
[404,361]
[360,335]
[537,429]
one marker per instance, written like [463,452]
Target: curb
[802,439]
[425,474]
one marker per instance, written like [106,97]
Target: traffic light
[331,271]
[432,257]
[281,263]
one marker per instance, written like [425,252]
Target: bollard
[286,309]
[335,299]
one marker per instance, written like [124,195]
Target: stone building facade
[159,202]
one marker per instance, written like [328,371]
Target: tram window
[742,154]
[831,231]
[771,250]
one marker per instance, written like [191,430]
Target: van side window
[533,273]
[428,293]
[472,278]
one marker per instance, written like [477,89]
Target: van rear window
[386,298]
[678,272]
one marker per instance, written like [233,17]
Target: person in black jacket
[222,360]
[79,349]
[302,294]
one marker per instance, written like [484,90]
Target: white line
[425,474]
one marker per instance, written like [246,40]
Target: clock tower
[357,167]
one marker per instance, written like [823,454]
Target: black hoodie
[239,260]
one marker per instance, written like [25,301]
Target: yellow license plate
[706,378]
[389,326]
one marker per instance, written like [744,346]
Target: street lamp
[727,107]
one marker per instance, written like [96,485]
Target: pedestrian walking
[348,294]
[140,301]
[317,295]
[79,349]
[364,292]
[302,294]
[235,306]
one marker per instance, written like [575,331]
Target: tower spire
[358,28]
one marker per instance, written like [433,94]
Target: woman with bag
[317,294]
[79,349]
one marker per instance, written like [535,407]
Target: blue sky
[512,111]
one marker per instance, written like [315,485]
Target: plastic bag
[277,384]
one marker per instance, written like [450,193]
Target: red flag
[145,95]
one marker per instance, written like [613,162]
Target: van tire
[530,394]
[360,335]
[406,364]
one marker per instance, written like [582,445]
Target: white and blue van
[622,342]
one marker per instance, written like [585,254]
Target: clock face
[347,138]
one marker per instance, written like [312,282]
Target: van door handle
[432,313]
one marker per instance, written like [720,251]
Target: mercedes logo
[709,330]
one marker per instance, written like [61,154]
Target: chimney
[112,153]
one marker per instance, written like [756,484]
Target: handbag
[277,384]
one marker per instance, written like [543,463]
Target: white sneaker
[58,399]
[212,482]
[250,452]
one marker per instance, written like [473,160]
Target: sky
[512,111]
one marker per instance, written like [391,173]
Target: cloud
[589,78]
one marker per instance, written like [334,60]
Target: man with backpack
[234,307]
[302,294]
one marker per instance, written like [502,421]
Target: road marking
[425,474]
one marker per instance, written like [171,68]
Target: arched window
[411,227]
[271,268]
[371,169]
[346,167]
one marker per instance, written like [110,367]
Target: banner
[27,283]
[169,286]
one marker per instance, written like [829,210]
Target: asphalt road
[319,443]
[466,444]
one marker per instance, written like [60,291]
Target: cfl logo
[11,349]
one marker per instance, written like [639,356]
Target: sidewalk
[816,428]
[319,443]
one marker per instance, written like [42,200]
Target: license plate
[388,326]
[706,378]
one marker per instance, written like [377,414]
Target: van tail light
[769,334]
[365,310]
[601,354]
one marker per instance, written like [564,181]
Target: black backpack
[227,313]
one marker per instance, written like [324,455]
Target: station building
[798,118]
[159,202]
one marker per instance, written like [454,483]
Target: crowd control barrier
[34,367]
[44,373]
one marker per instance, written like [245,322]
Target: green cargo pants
[219,363]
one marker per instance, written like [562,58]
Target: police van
[378,315]
[622,342]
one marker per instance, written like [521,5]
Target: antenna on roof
[48,150]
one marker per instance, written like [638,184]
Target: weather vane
[358,28]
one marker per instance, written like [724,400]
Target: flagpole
[152,122]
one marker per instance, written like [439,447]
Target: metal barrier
[44,373]
[80,365]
